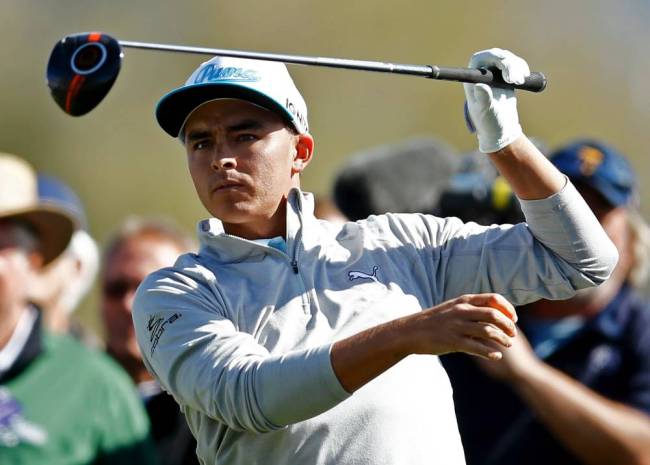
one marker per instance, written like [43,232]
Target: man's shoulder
[88,373]
[413,228]
[187,269]
[189,283]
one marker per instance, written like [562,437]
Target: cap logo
[211,73]
[590,159]
[296,114]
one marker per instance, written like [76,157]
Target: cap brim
[174,108]
[53,227]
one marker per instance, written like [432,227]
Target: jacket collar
[31,349]
[303,231]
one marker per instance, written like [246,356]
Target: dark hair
[29,239]
[406,177]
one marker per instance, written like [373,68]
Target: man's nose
[223,159]
[127,301]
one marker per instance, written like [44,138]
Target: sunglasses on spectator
[119,288]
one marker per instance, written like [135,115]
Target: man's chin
[126,356]
[235,214]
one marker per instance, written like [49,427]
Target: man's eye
[200,145]
[246,138]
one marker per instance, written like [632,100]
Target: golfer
[287,339]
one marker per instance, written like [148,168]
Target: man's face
[123,272]
[242,159]
[17,263]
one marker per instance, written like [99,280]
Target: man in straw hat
[59,402]
[59,288]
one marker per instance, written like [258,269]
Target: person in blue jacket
[575,386]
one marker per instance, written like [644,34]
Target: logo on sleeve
[156,327]
[362,275]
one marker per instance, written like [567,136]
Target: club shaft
[536,82]
[417,70]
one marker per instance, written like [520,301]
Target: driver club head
[82,69]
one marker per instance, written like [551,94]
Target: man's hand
[478,324]
[493,111]
[596,429]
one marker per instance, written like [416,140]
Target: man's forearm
[596,429]
[557,215]
[361,358]
[479,324]
[527,170]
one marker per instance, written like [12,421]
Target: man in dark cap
[576,388]
[138,247]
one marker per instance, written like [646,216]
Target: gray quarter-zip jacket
[240,333]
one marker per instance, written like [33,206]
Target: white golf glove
[492,111]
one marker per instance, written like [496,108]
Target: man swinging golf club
[273,353]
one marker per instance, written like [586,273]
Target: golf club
[83,67]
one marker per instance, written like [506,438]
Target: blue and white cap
[264,83]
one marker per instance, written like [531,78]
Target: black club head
[82,69]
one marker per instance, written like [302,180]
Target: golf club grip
[535,82]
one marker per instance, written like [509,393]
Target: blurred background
[121,163]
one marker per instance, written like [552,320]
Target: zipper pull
[294,265]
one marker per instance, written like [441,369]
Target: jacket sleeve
[559,249]
[196,353]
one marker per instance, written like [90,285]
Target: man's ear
[304,152]
[35,261]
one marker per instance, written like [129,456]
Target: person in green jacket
[60,403]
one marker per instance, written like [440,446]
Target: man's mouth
[227,185]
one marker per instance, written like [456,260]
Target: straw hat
[19,201]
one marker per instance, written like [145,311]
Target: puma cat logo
[361,275]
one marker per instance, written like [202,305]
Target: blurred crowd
[66,396]
[575,388]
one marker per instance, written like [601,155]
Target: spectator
[58,288]
[139,247]
[372,182]
[476,192]
[59,402]
[575,386]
